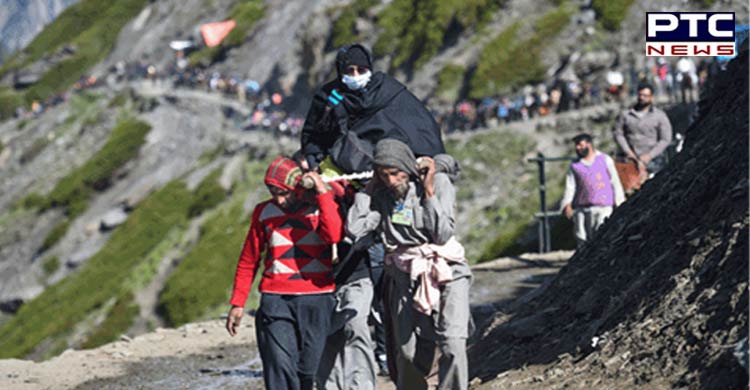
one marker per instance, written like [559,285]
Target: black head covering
[354,54]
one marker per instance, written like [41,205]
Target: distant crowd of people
[529,102]
[674,81]
[38,107]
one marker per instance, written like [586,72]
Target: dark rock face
[11,305]
[660,298]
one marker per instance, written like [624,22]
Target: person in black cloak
[347,117]
[350,114]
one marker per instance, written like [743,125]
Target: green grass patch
[34,201]
[510,60]
[9,101]
[119,318]
[101,279]
[55,234]
[34,150]
[497,158]
[51,265]
[344,29]
[208,194]
[450,80]
[119,100]
[201,283]
[85,107]
[73,190]
[505,244]
[69,24]
[205,276]
[413,31]
[91,27]
[145,271]
[481,155]
[245,14]
[519,219]
[611,13]
[211,154]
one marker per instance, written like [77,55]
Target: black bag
[352,154]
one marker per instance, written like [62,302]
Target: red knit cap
[283,173]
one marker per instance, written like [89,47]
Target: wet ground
[225,368]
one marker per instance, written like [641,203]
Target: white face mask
[356,82]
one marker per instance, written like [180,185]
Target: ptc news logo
[701,34]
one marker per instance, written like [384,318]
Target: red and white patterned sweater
[298,249]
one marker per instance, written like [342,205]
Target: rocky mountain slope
[80,220]
[660,298]
[20,21]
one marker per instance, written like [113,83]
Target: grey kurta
[430,220]
[433,218]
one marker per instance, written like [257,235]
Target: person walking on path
[426,295]
[592,189]
[297,234]
[643,132]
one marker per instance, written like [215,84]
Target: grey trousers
[416,340]
[348,360]
[587,220]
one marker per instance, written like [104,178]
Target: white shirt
[614,178]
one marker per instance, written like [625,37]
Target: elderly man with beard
[410,205]
[592,189]
[347,117]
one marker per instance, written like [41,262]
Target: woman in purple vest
[592,189]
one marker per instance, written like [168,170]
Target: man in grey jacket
[644,132]
[411,206]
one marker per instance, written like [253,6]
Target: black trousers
[291,331]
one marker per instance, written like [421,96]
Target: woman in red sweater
[297,234]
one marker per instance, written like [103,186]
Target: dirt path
[202,356]
[199,355]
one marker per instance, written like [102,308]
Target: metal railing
[545,239]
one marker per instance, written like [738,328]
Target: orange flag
[214,33]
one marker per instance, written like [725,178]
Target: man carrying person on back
[347,117]
[427,282]
[592,189]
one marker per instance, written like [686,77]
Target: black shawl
[347,124]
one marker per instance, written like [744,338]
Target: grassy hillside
[101,279]
[494,167]
[512,59]
[90,28]
[204,277]
[414,31]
